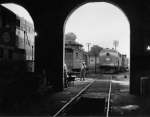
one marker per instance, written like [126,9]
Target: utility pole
[115,43]
[88,45]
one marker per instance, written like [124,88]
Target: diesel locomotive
[17,58]
[16,43]
[111,61]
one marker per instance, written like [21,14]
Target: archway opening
[92,30]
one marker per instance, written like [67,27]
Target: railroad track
[93,100]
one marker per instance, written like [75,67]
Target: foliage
[95,50]
[70,36]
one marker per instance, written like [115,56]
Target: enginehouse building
[74,55]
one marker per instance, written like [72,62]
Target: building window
[92,60]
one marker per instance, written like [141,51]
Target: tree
[95,50]
[70,36]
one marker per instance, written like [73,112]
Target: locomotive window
[102,53]
[18,22]
[114,54]
[77,54]
[1,52]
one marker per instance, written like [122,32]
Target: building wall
[77,59]
[92,61]
[69,58]
[74,55]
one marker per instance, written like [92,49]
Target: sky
[19,10]
[100,24]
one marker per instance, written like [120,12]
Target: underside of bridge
[49,18]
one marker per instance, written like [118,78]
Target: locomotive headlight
[148,48]
[107,59]
[35,34]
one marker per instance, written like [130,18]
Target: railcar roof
[109,50]
[17,16]
[6,9]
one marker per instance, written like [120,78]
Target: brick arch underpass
[49,18]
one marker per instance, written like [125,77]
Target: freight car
[111,61]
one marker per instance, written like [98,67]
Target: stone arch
[134,25]
[84,3]
[49,21]
[47,26]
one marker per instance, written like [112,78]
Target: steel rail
[108,101]
[72,99]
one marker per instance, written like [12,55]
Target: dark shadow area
[88,106]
